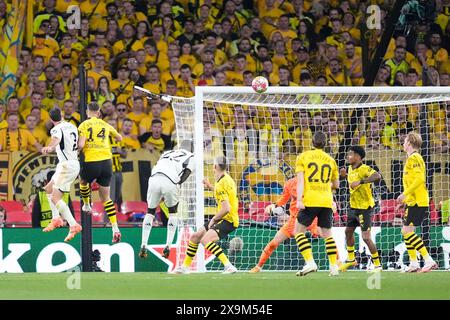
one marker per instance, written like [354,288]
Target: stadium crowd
[170,47]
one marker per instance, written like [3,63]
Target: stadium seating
[11,206]
[18,219]
[256,211]
[130,207]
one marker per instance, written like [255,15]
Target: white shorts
[65,174]
[160,186]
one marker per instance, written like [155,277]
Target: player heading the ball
[171,170]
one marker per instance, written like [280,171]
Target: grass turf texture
[266,285]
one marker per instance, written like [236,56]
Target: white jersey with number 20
[173,163]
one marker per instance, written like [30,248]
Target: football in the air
[260,84]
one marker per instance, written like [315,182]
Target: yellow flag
[13,33]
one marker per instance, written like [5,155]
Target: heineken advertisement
[31,250]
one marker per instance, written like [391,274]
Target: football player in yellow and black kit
[93,140]
[415,198]
[225,221]
[318,175]
[360,178]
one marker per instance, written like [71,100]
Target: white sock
[55,212]
[63,208]
[147,228]
[171,228]
[115,227]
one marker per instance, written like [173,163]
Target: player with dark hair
[64,141]
[172,169]
[360,178]
[97,165]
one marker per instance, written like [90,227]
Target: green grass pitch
[239,286]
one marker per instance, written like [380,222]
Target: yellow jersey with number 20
[319,170]
[96,132]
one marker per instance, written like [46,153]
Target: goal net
[262,134]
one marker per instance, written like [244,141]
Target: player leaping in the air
[225,221]
[64,141]
[360,178]
[287,230]
[97,165]
[317,174]
[171,170]
[415,197]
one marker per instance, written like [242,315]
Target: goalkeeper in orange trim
[287,230]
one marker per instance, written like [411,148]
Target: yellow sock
[110,211]
[417,243]
[331,249]
[376,259]
[411,250]
[85,193]
[351,253]
[304,246]
[218,252]
[190,253]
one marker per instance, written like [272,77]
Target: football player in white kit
[65,142]
[171,170]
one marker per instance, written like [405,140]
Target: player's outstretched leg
[110,210]
[216,250]
[191,251]
[269,249]
[146,230]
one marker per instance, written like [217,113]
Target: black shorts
[414,216]
[97,170]
[360,218]
[324,217]
[223,228]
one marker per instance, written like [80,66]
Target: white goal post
[340,102]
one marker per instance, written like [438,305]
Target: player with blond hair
[416,200]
